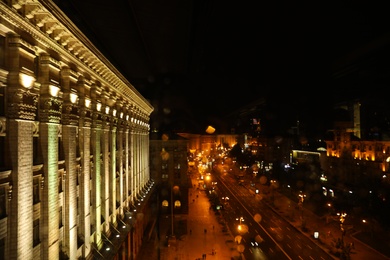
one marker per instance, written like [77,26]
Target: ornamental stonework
[85,114]
[96,120]
[51,110]
[70,114]
[22,105]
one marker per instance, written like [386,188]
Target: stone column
[69,243]
[105,189]
[138,161]
[144,157]
[84,180]
[20,216]
[113,166]
[127,168]
[50,107]
[120,168]
[131,167]
[21,111]
[96,188]
[147,154]
[70,118]
[135,162]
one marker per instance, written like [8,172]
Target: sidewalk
[199,234]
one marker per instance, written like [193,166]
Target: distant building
[169,169]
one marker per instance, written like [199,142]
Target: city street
[201,234]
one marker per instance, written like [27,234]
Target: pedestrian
[213,227]
[190,231]
[205,231]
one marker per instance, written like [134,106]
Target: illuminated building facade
[359,141]
[74,143]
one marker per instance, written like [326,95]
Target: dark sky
[206,58]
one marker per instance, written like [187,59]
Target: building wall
[74,143]
[169,169]
[353,159]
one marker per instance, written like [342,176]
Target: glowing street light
[242,228]
[342,219]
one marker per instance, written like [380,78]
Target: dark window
[2,248]
[2,51]
[36,233]
[3,201]
[2,101]
[3,160]
[37,155]
[61,153]
[60,217]
[36,198]
[60,176]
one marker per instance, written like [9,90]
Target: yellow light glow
[99,106]
[54,90]
[26,80]
[87,102]
[73,97]
[107,110]
[114,112]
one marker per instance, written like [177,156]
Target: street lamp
[242,228]
[329,205]
[342,219]
[239,225]
[370,227]
[301,199]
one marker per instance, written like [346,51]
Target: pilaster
[113,174]
[70,120]
[20,218]
[50,107]
[84,141]
[69,243]
[96,197]
[49,200]
[105,189]
[127,168]
[22,101]
[120,157]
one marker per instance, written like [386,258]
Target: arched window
[165,203]
[177,204]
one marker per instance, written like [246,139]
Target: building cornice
[51,28]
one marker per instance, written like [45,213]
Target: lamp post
[369,228]
[301,199]
[342,219]
[329,205]
[239,225]
[242,228]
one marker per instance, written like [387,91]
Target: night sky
[200,60]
